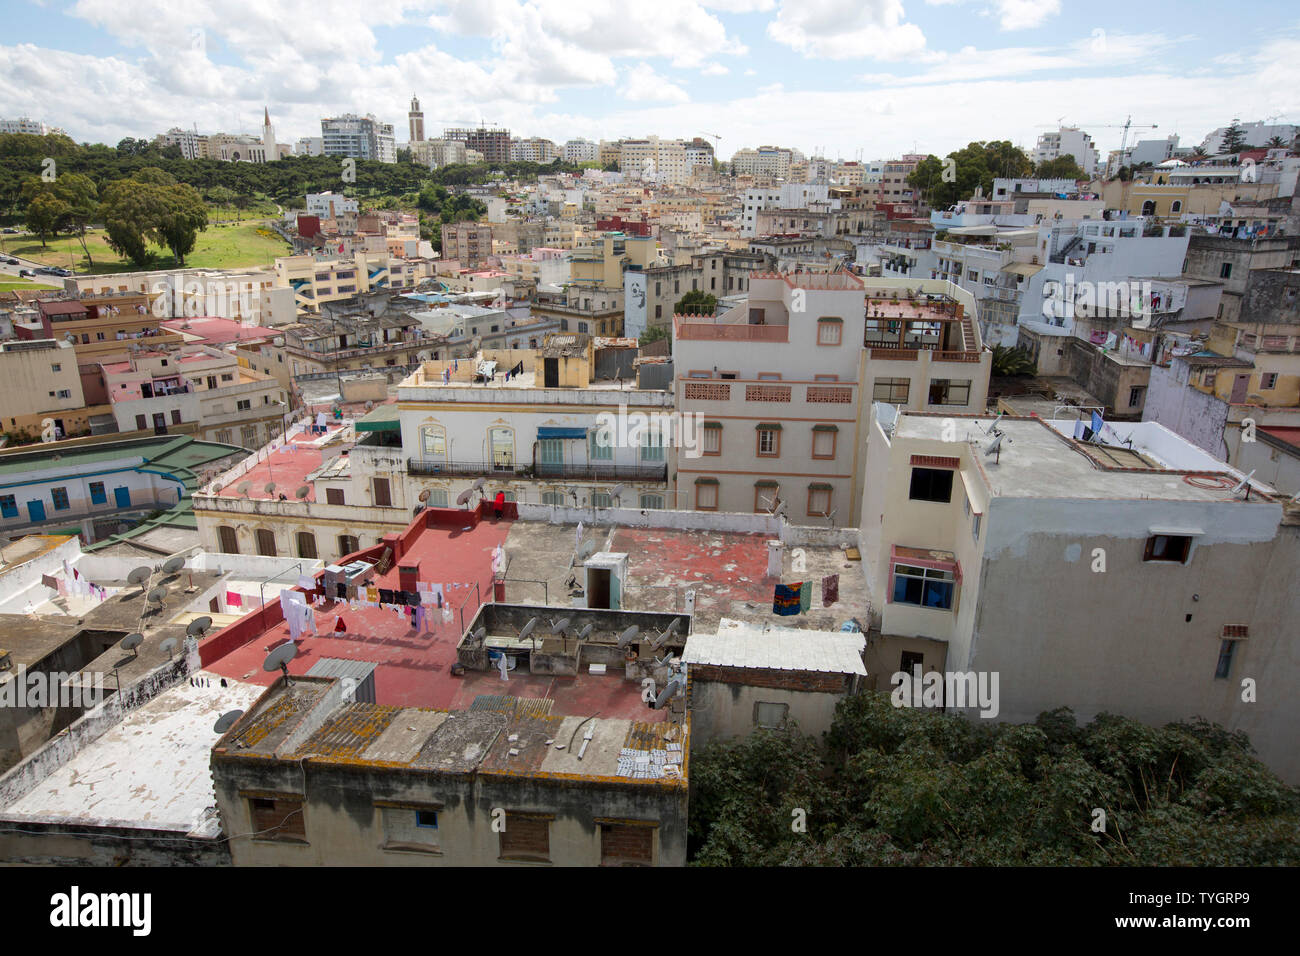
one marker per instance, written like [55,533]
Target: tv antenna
[527,630]
[830,518]
[141,577]
[463,498]
[994,449]
[1243,485]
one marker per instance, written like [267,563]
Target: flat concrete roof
[150,771]
[1038,461]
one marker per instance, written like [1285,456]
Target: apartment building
[330,205]
[1130,573]
[581,151]
[1067,141]
[191,144]
[309,146]
[319,280]
[493,144]
[772,162]
[1233,262]
[40,381]
[534,149]
[335,342]
[655,160]
[98,324]
[893,190]
[244,295]
[438,152]
[358,137]
[776,382]
[469,243]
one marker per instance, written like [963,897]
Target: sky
[848,79]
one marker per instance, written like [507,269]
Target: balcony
[712,332]
[582,471]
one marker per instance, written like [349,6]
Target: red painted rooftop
[217,330]
[287,466]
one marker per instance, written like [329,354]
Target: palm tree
[1275,142]
[1011,361]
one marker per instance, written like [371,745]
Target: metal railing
[588,471]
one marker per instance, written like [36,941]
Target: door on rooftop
[551,373]
[159,423]
[122,497]
[36,510]
[598,587]
[383,497]
[1240,386]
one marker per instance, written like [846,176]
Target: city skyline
[755,71]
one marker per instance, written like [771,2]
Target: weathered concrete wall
[1196,416]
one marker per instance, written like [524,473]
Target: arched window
[306,544]
[348,544]
[1149,207]
[1176,206]
[433,443]
[266,542]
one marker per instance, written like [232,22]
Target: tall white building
[581,151]
[1257,134]
[309,146]
[1071,141]
[24,125]
[772,161]
[787,196]
[655,160]
[359,137]
[191,144]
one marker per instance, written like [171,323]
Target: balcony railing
[585,471]
[710,332]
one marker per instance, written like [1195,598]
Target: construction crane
[1125,126]
[717,140]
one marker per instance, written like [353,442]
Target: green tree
[79,194]
[972,167]
[44,214]
[1234,139]
[1063,167]
[1011,361]
[696,302]
[183,216]
[654,333]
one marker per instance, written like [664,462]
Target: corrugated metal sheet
[519,706]
[826,652]
[340,667]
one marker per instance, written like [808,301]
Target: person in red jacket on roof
[500,504]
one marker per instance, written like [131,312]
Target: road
[9,272]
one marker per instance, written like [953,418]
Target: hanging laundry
[234,599]
[372,595]
[340,627]
[805,597]
[50,581]
[830,590]
[386,596]
[306,582]
[785,600]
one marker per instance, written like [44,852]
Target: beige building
[39,380]
[1136,578]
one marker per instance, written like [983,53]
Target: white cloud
[846,29]
[739,6]
[643,84]
[715,69]
[1023,14]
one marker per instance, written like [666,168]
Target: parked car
[10,262]
[26,274]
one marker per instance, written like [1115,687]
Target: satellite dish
[156,595]
[617,492]
[198,626]
[170,646]
[994,447]
[302,492]
[478,484]
[424,495]
[585,632]
[139,576]
[278,341]
[628,636]
[226,721]
[464,496]
[586,550]
[780,510]
[132,641]
[243,487]
[478,635]
[269,487]
[528,628]
[1241,485]
[280,657]
[173,564]
[830,518]
[560,626]
[669,692]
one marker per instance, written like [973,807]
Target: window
[60,498]
[176,416]
[931,484]
[601,499]
[8,506]
[706,494]
[769,715]
[334,496]
[1225,271]
[829,331]
[227,376]
[909,661]
[945,391]
[552,497]
[277,818]
[526,837]
[769,440]
[975,522]
[501,442]
[410,828]
[98,495]
[1226,649]
[348,544]
[652,445]
[266,542]
[652,501]
[1268,380]
[306,544]
[769,376]
[227,540]
[243,405]
[600,449]
[627,844]
[550,454]
[139,422]
[224,436]
[819,500]
[891,390]
[767,494]
[65,393]
[1135,395]
[55,367]
[433,442]
[823,442]
[382,494]
[924,587]
[1168,547]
